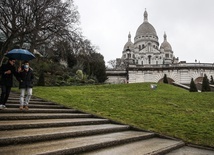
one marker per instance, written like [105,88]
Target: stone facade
[145,61]
[145,50]
[179,73]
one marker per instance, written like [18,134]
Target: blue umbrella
[20,54]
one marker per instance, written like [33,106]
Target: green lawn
[168,110]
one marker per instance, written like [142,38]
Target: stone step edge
[16,105]
[31,102]
[35,110]
[57,124]
[167,149]
[21,117]
[42,106]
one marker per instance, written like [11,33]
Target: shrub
[205,84]
[165,79]
[193,87]
[211,80]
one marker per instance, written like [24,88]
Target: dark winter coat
[26,79]
[7,79]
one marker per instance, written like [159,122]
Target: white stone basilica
[146,61]
[145,49]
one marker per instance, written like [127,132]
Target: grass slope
[168,110]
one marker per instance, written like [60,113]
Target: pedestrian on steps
[26,77]
[7,71]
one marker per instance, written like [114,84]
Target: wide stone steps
[27,124]
[39,110]
[25,116]
[32,105]
[31,135]
[76,145]
[49,128]
[149,146]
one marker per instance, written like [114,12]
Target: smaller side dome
[129,44]
[165,45]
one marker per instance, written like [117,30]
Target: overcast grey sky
[189,25]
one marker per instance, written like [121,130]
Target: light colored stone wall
[116,79]
[178,75]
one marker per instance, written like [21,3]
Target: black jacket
[7,79]
[26,79]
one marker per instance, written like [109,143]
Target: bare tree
[37,22]
[112,63]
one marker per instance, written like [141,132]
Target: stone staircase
[49,128]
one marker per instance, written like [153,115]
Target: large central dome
[145,28]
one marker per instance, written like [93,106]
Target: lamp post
[127,66]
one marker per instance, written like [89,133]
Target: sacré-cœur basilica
[146,60]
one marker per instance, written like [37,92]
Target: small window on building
[149,57]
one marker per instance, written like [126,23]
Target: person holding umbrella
[25,74]
[7,71]
[26,77]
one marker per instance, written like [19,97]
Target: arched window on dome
[141,62]
[143,46]
[139,47]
